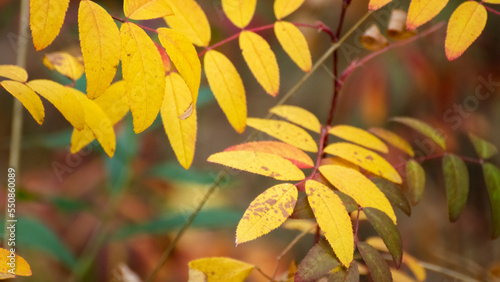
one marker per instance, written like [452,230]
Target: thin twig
[447,272]
[264,274]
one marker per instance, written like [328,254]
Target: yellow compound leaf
[285,132]
[364,158]
[146,9]
[22,267]
[298,116]
[239,12]
[220,269]
[58,95]
[259,163]
[267,212]
[65,64]
[393,139]
[46,20]
[358,136]
[333,219]
[422,11]
[13,72]
[377,4]
[283,8]
[466,24]
[100,42]
[144,75]
[190,20]
[184,56]
[27,97]
[181,132]
[261,61]
[228,89]
[294,43]
[359,187]
[97,121]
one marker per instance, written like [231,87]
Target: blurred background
[126,210]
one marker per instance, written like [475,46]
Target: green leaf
[492,179]
[415,175]
[387,231]
[318,262]
[302,210]
[483,148]
[394,194]
[341,274]
[456,178]
[423,128]
[377,266]
[349,203]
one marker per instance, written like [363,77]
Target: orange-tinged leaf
[285,132]
[267,212]
[261,61]
[422,11]
[393,139]
[100,42]
[46,20]
[289,152]
[283,8]
[184,56]
[333,219]
[65,102]
[221,269]
[465,25]
[364,158]
[144,75]
[298,116]
[190,20]
[294,43]
[359,187]
[22,267]
[27,97]
[358,136]
[239,12]
[13,72]
[146,9]
[181,132]
[65,64]
[228,89]
[259,163]
[377,4]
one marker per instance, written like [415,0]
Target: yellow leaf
[146,9]
[64,63]
[338,161]
[221,269]
[144,75]
[377,4]
[359,187]
[422,11]
[190,20]
[259,163]
[298,116]
[22,267]
[98,123]
[393,139]
[267,212]
[27,97]
[13,72]
[358,136]
[364,158]
[239,12]
[184,56]
[465,25]
[283,8]
[46,20]
[228,89]
[302,225]
[100,42]
[294,43]
[181,132]
[285,132]
[492,1]
[261,61]
[333,219]
[58,95]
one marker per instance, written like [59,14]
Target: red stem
[440,155]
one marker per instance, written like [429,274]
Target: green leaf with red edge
[415,176]
[492,179]
[423,128]
[483,148]
[393,193]
[456,178]
[318,262]
[377,266]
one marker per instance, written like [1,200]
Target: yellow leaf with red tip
[13,72]
[294,43]
[283,8]
[27,97]
[189,19]
[239,12]
[377,4]
[46,20]
[146,9]
[422,11]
